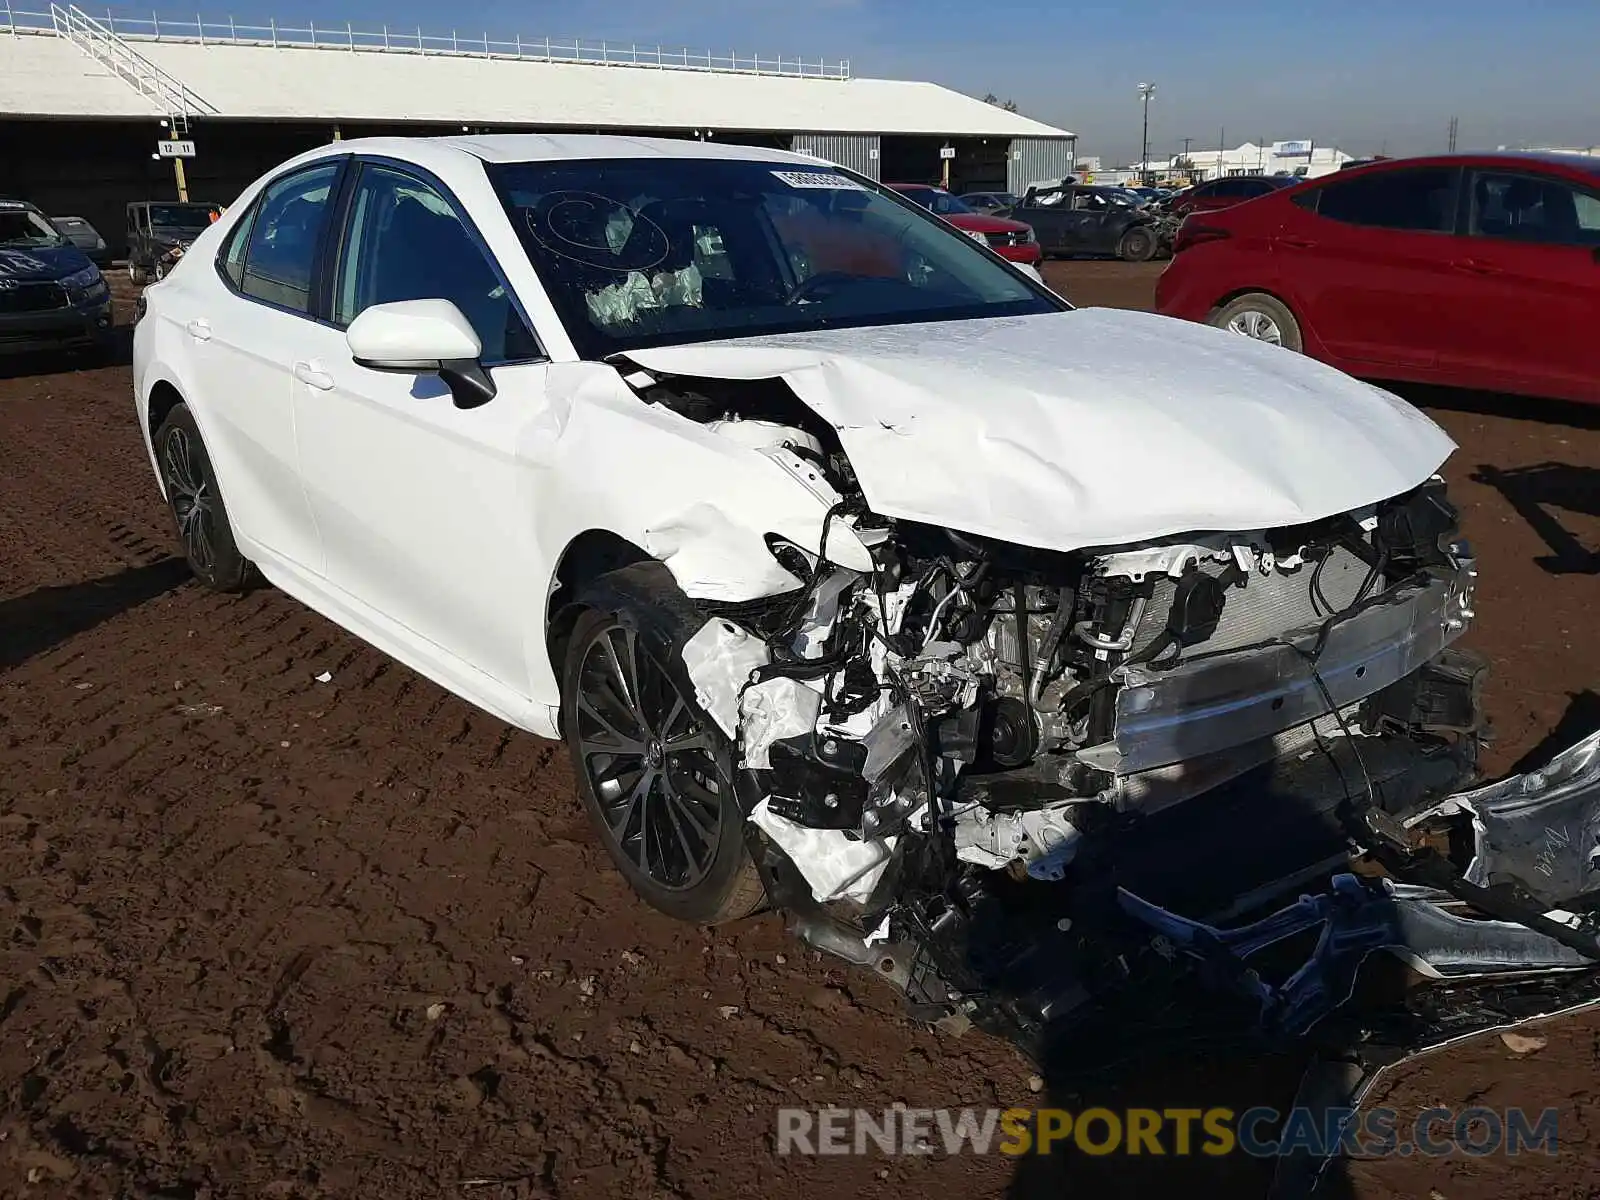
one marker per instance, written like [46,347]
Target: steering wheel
[821,281]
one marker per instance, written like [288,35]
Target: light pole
[1146,90]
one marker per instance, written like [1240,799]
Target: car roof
[1579,163]
[556,147]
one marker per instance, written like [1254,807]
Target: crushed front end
[1032,787]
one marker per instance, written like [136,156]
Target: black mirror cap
[468,382]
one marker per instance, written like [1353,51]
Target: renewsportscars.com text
[1260,1132]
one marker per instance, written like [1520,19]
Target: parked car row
[1010,239]
[1061,220]
[1471,270]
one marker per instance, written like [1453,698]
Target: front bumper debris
[1520,907]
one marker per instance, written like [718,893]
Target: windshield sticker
[824,180]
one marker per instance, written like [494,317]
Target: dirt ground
[262,935]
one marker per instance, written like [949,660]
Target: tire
[160,271]
[135,273]
[679,843]
[196,504]
[1261,317]
[1137,245]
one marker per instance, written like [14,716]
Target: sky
[1369,76]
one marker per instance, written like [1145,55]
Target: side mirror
[423,337]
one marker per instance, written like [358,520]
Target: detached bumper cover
[1537,852]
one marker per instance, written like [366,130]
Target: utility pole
[1146,90]
[1455,124]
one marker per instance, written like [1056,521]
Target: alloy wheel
[192,498]
[650,758]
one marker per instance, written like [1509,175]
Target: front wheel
[1262,318]
[196,505]
[135,273]
[655,772]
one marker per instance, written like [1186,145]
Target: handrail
[589,52]
[101,43]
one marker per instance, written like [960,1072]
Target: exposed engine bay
[1017,782]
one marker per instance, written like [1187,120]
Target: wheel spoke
[698,740]
[622,743]
[703,825]
[635,798]
[624,677]
[676,817]
[679,712]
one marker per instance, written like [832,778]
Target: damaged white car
[1035,658]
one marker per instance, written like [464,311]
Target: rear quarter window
[1419,200]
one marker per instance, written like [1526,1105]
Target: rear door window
[284,236]
[1420,199]
[1533,208]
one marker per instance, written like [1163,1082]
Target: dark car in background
[1010,239]
[1076,218]
[989,202]
[1470,270]
[51,295]
[160,231]
[1225,193]
[85,237]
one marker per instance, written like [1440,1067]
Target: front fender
[599,457]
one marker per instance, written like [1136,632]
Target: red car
[1225,193]
[1009,239]
[1478,270]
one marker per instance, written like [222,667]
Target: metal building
[85,98]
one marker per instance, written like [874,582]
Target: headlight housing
[79,280]
[977,235]
[1026,237]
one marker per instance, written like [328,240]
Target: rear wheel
[135,272]
[1262,318]
[655,772]
[196,505]
[1137,245]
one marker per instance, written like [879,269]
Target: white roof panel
[49,76]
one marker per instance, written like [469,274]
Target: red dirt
[265,936]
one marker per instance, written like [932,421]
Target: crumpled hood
[43,262]
[1088,428]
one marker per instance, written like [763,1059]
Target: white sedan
[859,571]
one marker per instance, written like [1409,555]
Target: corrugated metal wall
[1034,159]
[856,151]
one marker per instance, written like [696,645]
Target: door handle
[310,374]
[1297,243]
[1474,267]
[199,329]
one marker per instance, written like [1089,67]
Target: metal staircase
[99,42]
